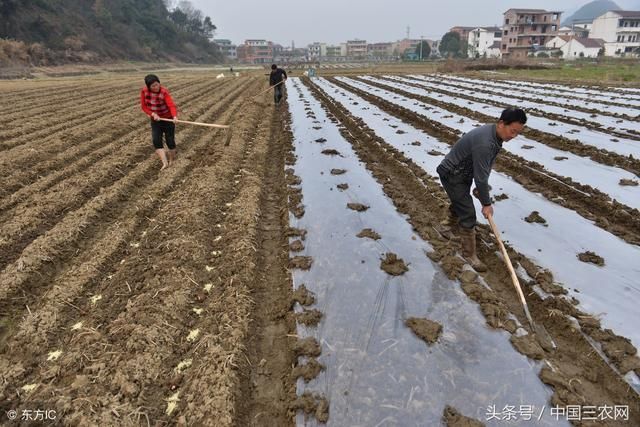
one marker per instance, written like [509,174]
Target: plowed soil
[133,296]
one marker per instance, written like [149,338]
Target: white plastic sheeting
[599,139]
[377,371]
[626,97]
[580,169]
[612,291]
[520,97]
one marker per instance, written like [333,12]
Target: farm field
[283,278]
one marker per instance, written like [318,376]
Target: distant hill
[46,32]
[590,11]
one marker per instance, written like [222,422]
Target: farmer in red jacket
[157,103]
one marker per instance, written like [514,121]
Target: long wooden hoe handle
[269,88]
[211,125]
[514,278]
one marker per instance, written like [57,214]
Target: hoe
[211,125]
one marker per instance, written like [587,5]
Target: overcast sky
[334,21]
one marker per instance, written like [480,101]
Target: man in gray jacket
[471,159]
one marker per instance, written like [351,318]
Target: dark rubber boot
[468,240]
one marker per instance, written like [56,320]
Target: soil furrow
[27,101]
[267,384]
[27,222]
[50,113]
[29,275]
[72,149]
[27,139]
[189,261]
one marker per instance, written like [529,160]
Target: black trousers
[458,188]
[167,129]
[278,93]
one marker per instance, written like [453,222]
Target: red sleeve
[143,104]
[170,104]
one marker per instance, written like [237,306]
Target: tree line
[98,30]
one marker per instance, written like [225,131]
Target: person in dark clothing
[277,77]
[156,102]
[471,159]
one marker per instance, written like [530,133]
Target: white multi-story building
[482,39]
[337,53]
[357,48]
[317,50]
[228,49]
[620,31]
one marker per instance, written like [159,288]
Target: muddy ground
[132,296]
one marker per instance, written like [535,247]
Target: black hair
[513,114]
[151,79]
[274,67]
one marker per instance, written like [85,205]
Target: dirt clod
[308,347]
[308,371]
[435,153]
[298,211]
[393,265]
[357,207]
[535,217]
[468,276]
[528,346]
[338,171]
[428,330]
[343,186]
[592,258]
[309,317]
[301,262]
[293,180]
[312,405]
[296,232]
[302,296]
[368,233]
[296,246]
[331,152]
[628,182]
